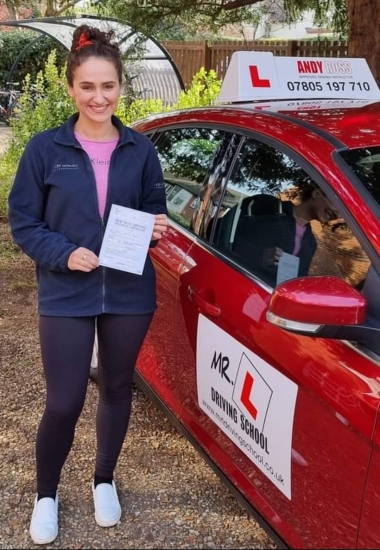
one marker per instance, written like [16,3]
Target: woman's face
[95,89]
[322,208]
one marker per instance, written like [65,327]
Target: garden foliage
[46,104]
[25,52]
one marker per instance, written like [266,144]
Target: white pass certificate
[287,267]
[126,239]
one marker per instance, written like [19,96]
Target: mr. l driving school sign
[261,75]
[248,399]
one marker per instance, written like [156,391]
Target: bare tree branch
[53,11]
[66,7]
[236,4]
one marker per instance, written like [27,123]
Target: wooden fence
[191,56]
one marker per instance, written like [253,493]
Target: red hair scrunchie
[83,41]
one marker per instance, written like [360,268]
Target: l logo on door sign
[245,394]
[251,394]
[258,82]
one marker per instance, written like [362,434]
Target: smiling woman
[94,77]
[75,174]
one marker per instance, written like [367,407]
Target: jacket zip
[103,274]
[102,226]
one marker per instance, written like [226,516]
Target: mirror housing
[323,307]
[318,301]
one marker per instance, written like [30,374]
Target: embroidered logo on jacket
[59,167]
[159,185]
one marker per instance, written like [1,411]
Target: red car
[265,348]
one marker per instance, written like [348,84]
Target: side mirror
[323,307]
[317,301]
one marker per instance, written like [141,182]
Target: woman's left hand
[160,225]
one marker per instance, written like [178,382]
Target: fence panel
[323,48]
[191,56]
[221,52]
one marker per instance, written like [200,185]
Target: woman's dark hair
[302,190]
[91,42]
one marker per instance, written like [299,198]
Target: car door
[187,155]
[369,535]
[288,418]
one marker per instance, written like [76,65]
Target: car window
[365,163]
[275,221]
[186,156]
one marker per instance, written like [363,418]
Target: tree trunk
[364,19]
[12,10]
[50,9]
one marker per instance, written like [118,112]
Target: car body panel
[157,359]
[330,419]
[336,385]
[369,533]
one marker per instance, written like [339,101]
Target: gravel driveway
[170,497]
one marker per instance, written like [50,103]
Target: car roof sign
[261,76]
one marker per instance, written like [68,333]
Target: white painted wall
[294,31]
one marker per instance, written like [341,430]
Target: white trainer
[44,523]
[107,505]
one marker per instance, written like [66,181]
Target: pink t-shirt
[300,230]
[100,155]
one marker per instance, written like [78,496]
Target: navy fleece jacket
[53,209]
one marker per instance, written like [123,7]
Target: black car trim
[350,174]
[309,168]
[154,397]
[361,189]
[238,147]
[323,184]
[233,129]
[191,124]
[313,173]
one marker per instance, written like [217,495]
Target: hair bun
[85,35]
[91,42]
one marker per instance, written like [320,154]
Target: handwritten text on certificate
[126,240]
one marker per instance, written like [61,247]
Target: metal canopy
[155,75]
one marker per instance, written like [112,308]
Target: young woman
[67,180]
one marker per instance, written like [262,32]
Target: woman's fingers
[160,226]
[82,259]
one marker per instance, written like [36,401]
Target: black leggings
[66,348]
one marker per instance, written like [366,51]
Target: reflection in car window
[365,163]
[186,156]
[276,222]
[208,206]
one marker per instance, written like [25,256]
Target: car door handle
[204,305]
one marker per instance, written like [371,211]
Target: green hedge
[54,106]
[12,43]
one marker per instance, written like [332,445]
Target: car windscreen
[365,163]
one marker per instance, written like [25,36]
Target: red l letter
[258,82]
[245,393]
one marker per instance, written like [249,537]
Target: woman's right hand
[82,259]
[271,256]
